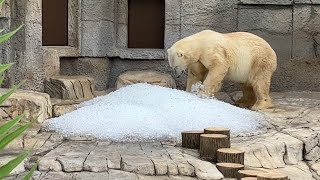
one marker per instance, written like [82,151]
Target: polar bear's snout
[178,71]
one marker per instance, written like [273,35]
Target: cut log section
[210,143]
[272,176]
[230,170]
[217,130]
[230,155]
[191,139]
[249,173]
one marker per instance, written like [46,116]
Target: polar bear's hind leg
[248,99]
[261,88]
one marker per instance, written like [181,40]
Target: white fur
[239,70]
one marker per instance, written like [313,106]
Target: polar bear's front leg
[213,81]
[196,73]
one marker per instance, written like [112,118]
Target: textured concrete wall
[26,45]
[97,27]
[5,15]
[292,27]
[73,22]
[97,68]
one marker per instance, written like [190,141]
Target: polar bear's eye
[180,54]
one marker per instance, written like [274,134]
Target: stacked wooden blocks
[214,146]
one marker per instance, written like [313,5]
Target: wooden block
[230,155]
[210,143]
[191,139]
[217,130]
[229,170]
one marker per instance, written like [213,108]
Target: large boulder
[31,103]
[70,87]
[148,76]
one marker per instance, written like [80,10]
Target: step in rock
[32,103]
[147,76]
[61,107]
[70,87]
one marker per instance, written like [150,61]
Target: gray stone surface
[151,77]
[51,62]
[97,10]
[287,147]
[306,1]
[26,45]
[136,164]
[56,176]
[32,103]
[70,87]
[59,110]
[121,175]
[68,157]
[74,16]
[97,68]
[99,29]
[120,66]
[19,169]
[91,175]
[216,15]
[272,24]
[267,2]
[306,24]
[205,170]
[97,37]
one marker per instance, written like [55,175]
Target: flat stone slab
[148,76]
[70,87]
[34,104]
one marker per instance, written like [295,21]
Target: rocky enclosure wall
[292,27]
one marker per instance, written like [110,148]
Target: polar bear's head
[178,61]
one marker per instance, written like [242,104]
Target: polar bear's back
[244,50]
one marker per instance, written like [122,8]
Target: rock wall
[291,27]
[98,29]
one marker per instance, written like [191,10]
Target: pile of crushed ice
[147,112]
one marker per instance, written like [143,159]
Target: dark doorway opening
[55,22]
[146,23]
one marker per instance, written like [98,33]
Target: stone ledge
[64,51]
[278,2]
[306,1]
[126,53]
[70,87]
[147,76]
[266,2]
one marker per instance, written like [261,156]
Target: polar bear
[242,57]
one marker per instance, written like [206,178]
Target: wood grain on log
[229,170]
[230,155]
[217,130]
[210,143]
[191,139]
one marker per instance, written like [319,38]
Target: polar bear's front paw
[206,94]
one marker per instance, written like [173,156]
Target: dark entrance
[55,22]
[146,24]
